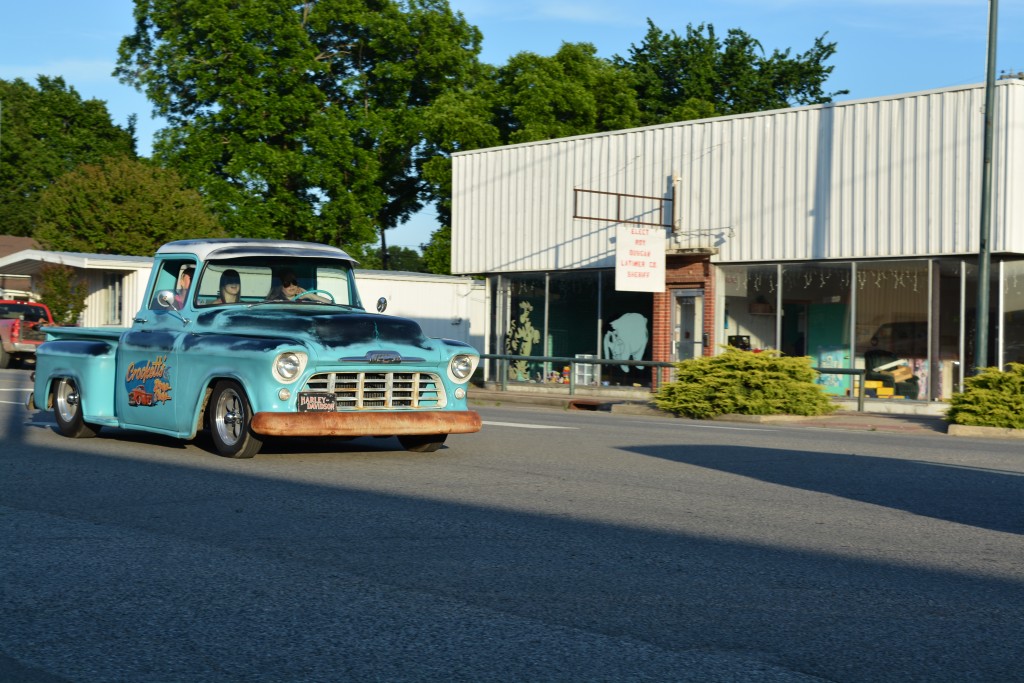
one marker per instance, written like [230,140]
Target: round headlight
[462,366]
[289,365]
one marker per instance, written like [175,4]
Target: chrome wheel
[229,418]
[67,410]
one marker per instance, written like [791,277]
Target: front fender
[246,360]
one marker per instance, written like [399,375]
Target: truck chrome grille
[380,390]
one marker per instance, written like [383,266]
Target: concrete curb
[927,420]
[767,419]
[986,432]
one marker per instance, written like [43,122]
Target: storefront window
[952,297]
[816,319]
[525,327]
[625,334]
[995,292]
[892,328]
[750,296]
[1013,312]
[572,324]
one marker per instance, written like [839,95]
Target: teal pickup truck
[253,339]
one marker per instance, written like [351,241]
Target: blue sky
[885,47]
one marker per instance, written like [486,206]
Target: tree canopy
[48,130]
[573,92]
[699,75]
[299,120]
[334,120]
[120,206]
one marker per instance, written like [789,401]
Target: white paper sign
[639,259]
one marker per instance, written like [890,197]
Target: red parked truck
[19,329]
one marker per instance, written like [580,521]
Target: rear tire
[5,359]
[230,420]
[422,443]
[67,410]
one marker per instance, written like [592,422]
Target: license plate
[315,402]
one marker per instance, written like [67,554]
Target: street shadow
[476,591]
[988,499]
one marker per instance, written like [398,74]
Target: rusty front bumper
[366,423]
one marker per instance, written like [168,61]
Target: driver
[289,289]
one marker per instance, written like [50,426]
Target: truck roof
[239,248]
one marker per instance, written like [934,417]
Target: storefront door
[688,323]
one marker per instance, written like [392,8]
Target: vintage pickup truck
[264,338]
[21,324]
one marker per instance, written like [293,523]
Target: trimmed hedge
[744,383]
[992,398]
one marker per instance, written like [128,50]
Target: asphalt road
[552,546]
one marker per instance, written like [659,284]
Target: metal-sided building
[847,232]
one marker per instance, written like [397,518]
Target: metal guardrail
[858,372]
[572,362]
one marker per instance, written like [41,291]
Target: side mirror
[165,297]
[382,304]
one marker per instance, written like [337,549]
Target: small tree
[992,398]
[437,253]
[120,206]
[62,292]
[744,383]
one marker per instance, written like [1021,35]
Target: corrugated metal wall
[888,177]
[97,302]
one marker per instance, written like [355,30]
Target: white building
[445,306]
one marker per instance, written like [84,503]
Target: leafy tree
[120,206]
[458,120]
[62,292]
[47,131]
[300,120]
[437,254]
[573,92]
[531,97]
[698,75]
[991,398]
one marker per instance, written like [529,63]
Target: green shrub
[992,398]
[744,383]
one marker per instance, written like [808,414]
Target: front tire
[230,420]
[67,410]
[422,443]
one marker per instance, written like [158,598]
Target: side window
[175,276]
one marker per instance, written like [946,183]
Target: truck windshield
[272,279]
[33,314]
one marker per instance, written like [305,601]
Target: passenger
[230,288]
[184,284]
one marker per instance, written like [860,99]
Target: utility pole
[984,249]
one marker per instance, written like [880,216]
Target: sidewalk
[914,417]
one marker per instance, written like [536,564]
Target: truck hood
[333,329]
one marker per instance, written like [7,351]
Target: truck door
[146,390]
